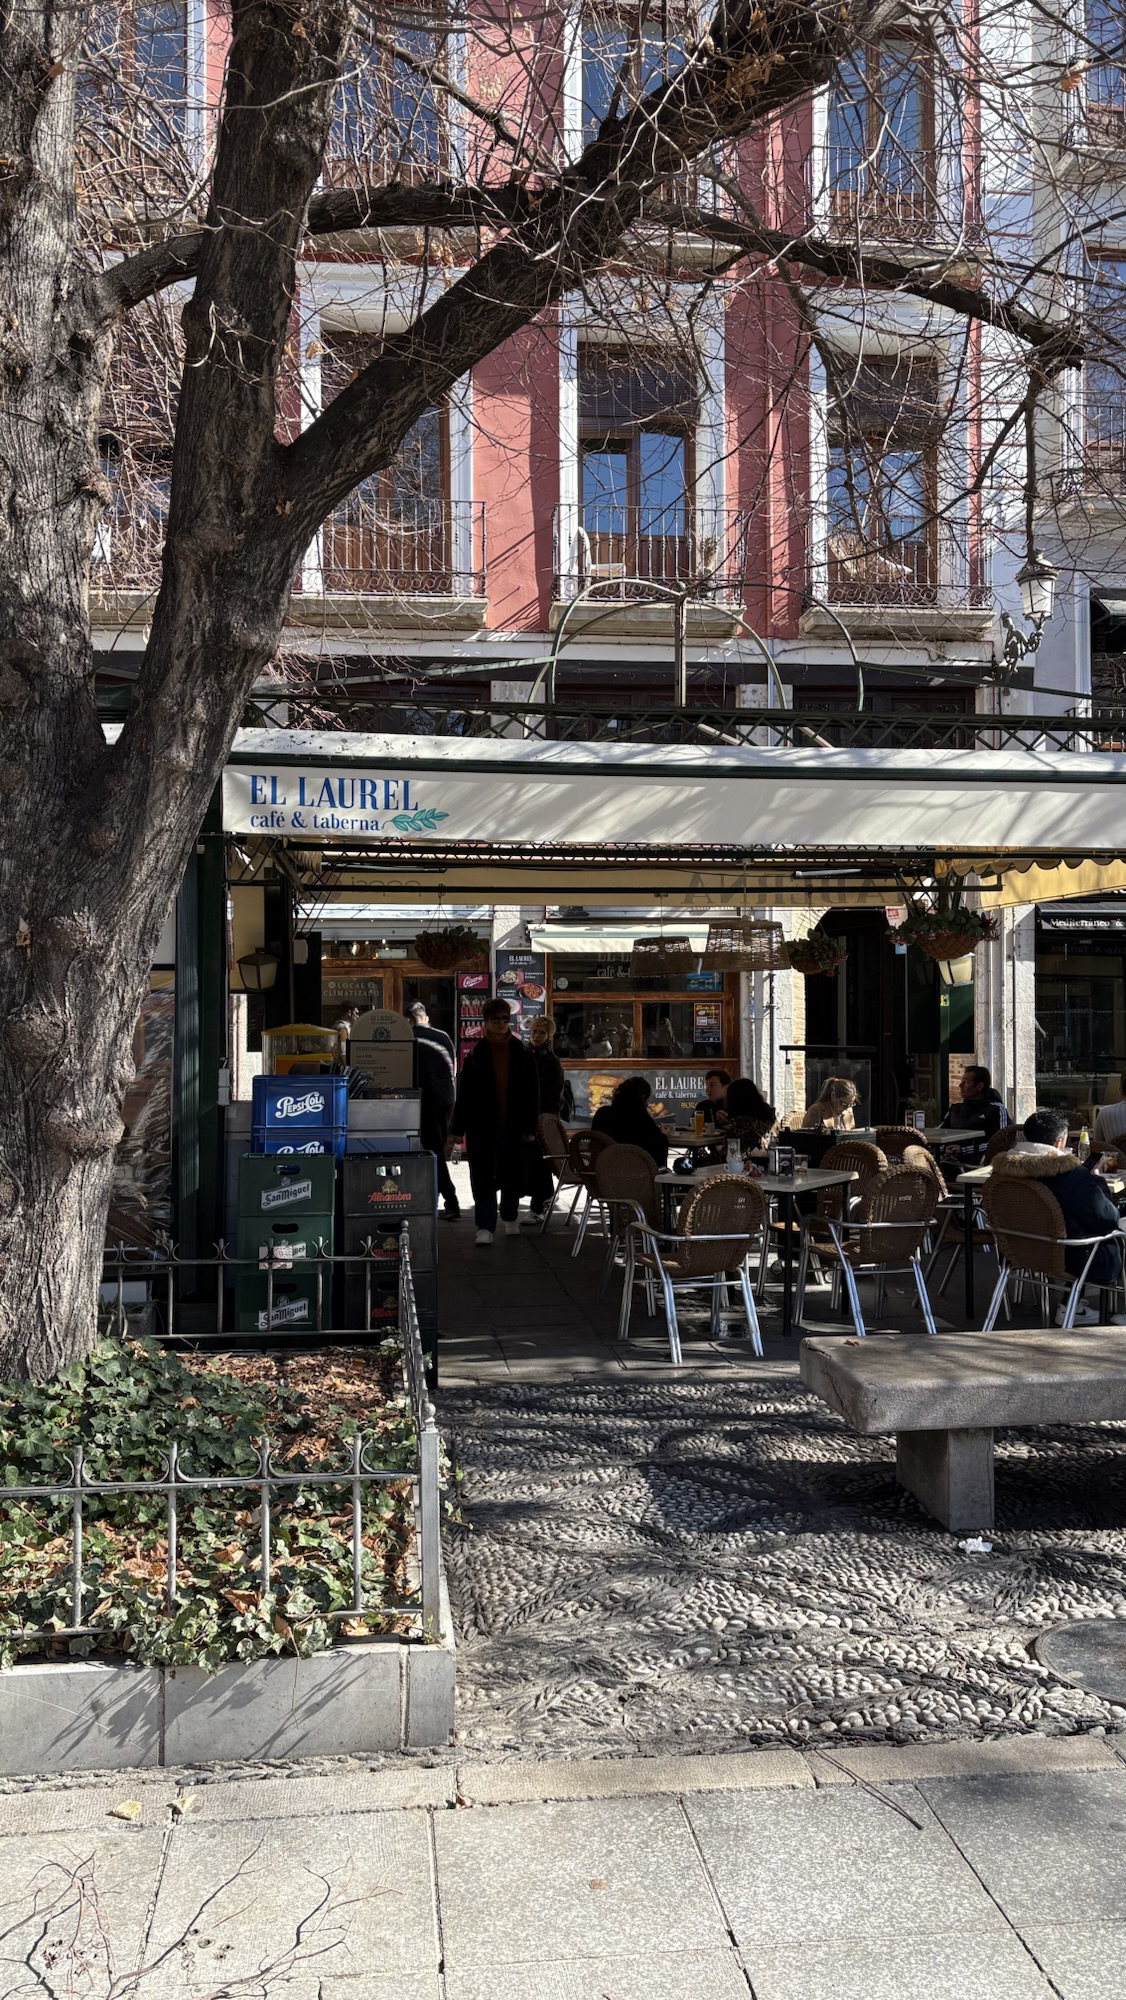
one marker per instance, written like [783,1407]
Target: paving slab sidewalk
[969,1876]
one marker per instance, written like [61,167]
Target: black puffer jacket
[549,1069]
[1083,1198]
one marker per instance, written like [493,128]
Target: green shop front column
[200,1047]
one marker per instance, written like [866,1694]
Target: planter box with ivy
[214,1558]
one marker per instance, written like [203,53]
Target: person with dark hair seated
[716,1085]
[627,1121]
[980,1108]
[1088,1210]
[746,1116]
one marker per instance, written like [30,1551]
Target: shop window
[592,1028]
[881,158]
[637,415]
[394,531]
[884,423]
[389,121]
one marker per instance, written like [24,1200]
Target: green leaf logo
[422,821]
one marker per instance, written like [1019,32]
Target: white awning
[602,940]
[312,788]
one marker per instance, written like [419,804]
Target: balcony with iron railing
[908,196]
[628,567]
[1094,466]
[901,577]
[394,565]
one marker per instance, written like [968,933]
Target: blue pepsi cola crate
[307,1139]
[285,1104]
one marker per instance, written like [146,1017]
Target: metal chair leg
[583,1221]
[803,1274]
[999,1290]
[881,1293]
[749,1309]
[612,1248]
[626,1306]
[849,1276]
[671,1320]
[650,1295]
[924,1299]
[1071,1307]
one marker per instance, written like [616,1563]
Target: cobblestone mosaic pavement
[707,1565]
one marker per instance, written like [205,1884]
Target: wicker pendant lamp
[661,957]
[745,944]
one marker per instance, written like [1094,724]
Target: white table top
[799,1183]
[686,1137]
[927,1135]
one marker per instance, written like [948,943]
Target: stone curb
[398,1788]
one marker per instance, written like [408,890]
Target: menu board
[472,993]
[707,1021]
[522,981]
[382,1045]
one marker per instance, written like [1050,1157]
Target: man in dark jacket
[1083,1198]
[980,1108]
[497,1108]
[436,1072]
[549,1070]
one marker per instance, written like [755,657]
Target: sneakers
[483,1236]
[452,1207]
[1085,1315]
[533,1218]
[512,1229]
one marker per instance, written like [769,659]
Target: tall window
[393,533]
[134,79]
[881,140]
[884,423]
[1105,80]
[390,120]
[1104,371]
[637,415]
[627,52]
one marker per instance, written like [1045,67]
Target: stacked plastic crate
[286,1225]
[380,1193]
[300,1114]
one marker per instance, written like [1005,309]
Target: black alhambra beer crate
[376,1306]
[390,1187]
[384,1239]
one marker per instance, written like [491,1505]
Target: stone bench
[942,1397]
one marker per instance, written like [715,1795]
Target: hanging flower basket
[816,955]
[950,933]
[445,950]
[661,957]
[745,944]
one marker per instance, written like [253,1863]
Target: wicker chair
[1028,1228]
[720,1228]
[857,1156]
[625,1182]
[583,1149]
[555,1141]
[883,1235]
[895,1139]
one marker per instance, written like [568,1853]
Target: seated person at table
[626,1120]
[716,1082]
[979,1109]
[832,1111]
[746,1116]
[1088,1210]
[1110,1125]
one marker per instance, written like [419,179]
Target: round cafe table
[785,1188]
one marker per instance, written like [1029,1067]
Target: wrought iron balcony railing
[888,195]
[416,548]
[1095,459]
[638,553]
[427,548]
[907,568]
